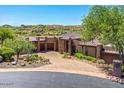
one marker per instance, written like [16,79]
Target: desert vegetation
[43,30]
[105,23]
[13,44]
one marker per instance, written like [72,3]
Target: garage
[42,47]
[50,46]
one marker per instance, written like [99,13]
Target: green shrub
[6,53]
[65,55]
[90,58]
[81,57]
[33,57]
[122,67]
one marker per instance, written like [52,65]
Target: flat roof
[91,43]
[35,39]
[71,35]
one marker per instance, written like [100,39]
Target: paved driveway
[52,80]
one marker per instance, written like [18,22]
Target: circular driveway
[52,80]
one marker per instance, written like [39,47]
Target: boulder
[22,64]
[14,63]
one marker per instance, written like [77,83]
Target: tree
[105,23]
[19,45]
[6,53]
[5,33]
[28,47]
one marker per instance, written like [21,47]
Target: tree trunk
[17,57]
[121,55]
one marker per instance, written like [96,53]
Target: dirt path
[60,64]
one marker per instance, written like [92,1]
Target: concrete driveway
[53,80]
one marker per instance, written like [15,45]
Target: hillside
[44,30]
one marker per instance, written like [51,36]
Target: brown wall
[91,51]
[87,50]
[60,45]
[50,40]
[42,46]
[109,57]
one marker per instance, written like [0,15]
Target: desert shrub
[122,67]
[33,57]
[100,61]
[6,53]
[41,58]
[82,56]
[90,58]
[65,55]
[79,56]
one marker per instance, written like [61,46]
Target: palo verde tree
[19,45]
[105,23]
[5,33]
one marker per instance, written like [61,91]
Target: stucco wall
[91,51]
[87,50]
[50,40]
[109,57]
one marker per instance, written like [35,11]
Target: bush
[81,57]
[101,61]
[6,53]
[65,55]
[33,57]
[90,58]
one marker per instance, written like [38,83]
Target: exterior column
[98,51]
[69,47]
[38,44]
[59,45]
[84,49]
[65,48]
[45,44]
[55,44]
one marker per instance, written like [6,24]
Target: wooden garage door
[42,47]
[50,46]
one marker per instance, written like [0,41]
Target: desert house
[71,43]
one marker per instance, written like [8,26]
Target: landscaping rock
[1,58]
[14,63]
[29,62]
[22,64]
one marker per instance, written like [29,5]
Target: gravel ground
[59,64]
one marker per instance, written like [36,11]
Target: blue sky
[44,14]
